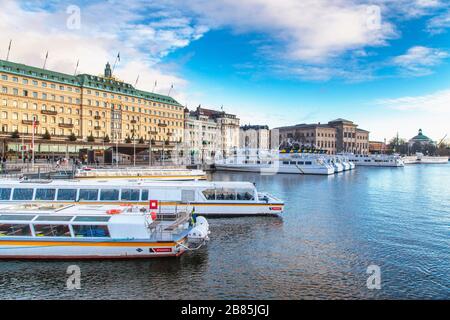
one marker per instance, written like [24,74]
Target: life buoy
[113,211]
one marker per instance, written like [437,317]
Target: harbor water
[332,230]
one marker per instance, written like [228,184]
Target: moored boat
[209,198]
[420,158]
[41,231]
[138,172]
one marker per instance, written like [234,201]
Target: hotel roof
[83,80]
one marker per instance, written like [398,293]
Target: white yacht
[376,160]
[206,197]
[273,162]
[336,163]
[346,162]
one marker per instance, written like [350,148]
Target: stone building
[254,137]
[336,136]
[210,132]
[85,107]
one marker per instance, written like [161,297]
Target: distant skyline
[383,64]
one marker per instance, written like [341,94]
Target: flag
[9,48]
[46,56]
[118,57]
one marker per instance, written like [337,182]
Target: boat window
[88,194]
[300,163]
[225,194]
[285,162]
[51,230]
[22,194]
[53,218]
[308,162]
[5,193]
[11,230]
[112,194]
[210,194]
[67,194]
[90,231]
[130,194]
[144,195]
[16,217]
[244,194]
[45,194]
[92,219]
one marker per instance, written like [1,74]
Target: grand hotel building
[94,109]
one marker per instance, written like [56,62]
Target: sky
[384,64]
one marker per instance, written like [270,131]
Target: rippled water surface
[332,229]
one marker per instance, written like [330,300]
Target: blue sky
[383,64]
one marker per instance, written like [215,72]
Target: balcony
[97,128]
[49,112]
[133,121]
[29,122]
[66,125]
[162,125]
[97,117]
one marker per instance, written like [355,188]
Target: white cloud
[311,30]
[106,28]
[436,103]
[418,60]
[439,23]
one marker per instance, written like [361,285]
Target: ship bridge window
[17,217]
[5,193]
[111,195]
[300,163]
[245,195]
[53,218]
[285,162]
[144,195]
[130,194]
[45,194]
[88,195]
[225,194]
[22,194]
[52,230]
[92,219]
[67,194]
[308,162]
[210,194]
[14,230]
[94,231]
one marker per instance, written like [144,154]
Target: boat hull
[56,249]
[276,170]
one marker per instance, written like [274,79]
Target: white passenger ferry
[208,198]
[139,172]
[376,160]
[420,158]
[96,232]
[273,161]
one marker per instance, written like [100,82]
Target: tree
[46,135]
[127,139]
[141,140]
[152,141]
[106,139]
[72,137]
[15,134]
[91,138]
[167,142]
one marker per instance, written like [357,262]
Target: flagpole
[76,68]
[137,79]
[45,62]
[154,87]
[115,62]
[9,50]
[171,87]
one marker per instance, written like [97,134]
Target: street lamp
[151,133]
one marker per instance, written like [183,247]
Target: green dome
[421,137]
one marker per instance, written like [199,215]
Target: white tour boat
[139,172]
[208,198]
[273,161]
[420,158]
[38,231]
[375,160]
